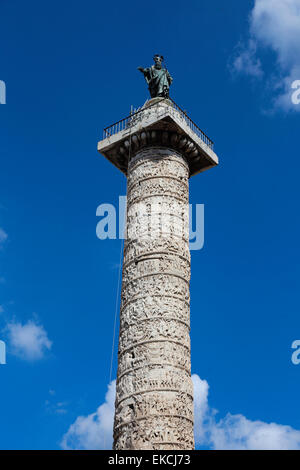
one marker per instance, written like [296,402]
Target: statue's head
[158,60]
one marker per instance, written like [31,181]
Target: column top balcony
[159,123]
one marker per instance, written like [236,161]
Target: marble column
[154,403]
[158,148]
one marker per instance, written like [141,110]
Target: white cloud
[3,236]
[238,432]
[29,341]
[247,62]
[202,414]
[275,25]
[58,408]
[235,431]
[95,430]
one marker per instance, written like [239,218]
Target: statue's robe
[159,81]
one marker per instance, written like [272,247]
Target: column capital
[159,123]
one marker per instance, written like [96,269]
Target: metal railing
[193,126]
[124,123]
[130,120]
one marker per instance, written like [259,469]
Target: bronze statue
[157,78]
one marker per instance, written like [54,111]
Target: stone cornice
[158,124]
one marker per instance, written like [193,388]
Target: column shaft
[154,401]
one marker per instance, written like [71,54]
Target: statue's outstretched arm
[169,78]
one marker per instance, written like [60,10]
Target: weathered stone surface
[154,400]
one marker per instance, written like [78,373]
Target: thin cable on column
[118,289]
[115,324]
[116,313]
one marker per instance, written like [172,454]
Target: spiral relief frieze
[154,396]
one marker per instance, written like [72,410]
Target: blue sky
[70,70]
